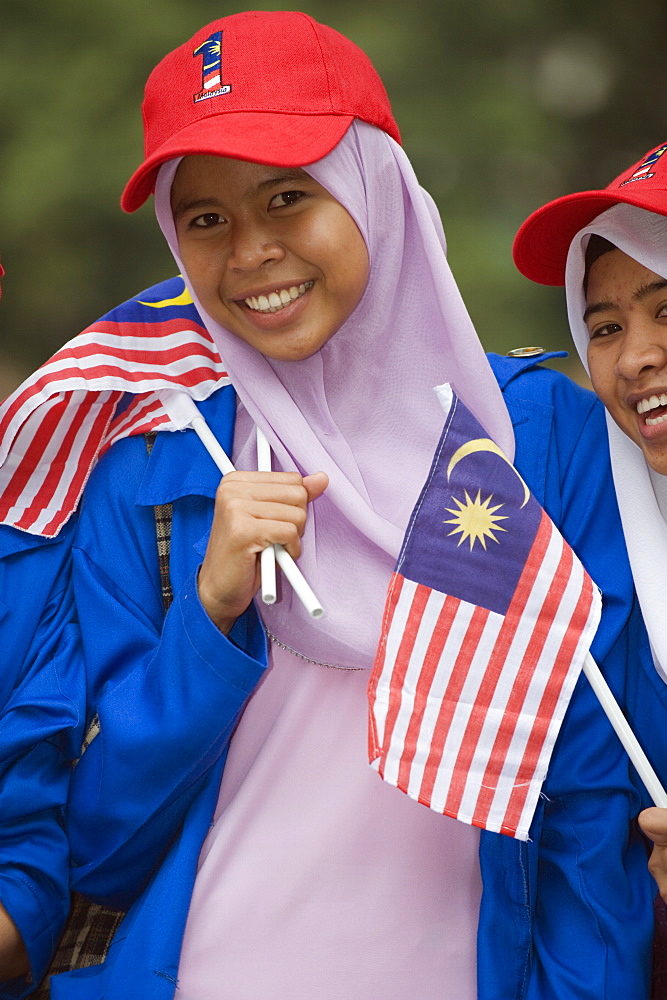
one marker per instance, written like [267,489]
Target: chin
[656,459]
[658,465]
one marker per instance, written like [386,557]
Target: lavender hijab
[362,408]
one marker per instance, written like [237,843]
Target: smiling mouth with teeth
[652,403]
[277,300]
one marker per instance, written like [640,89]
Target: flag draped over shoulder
[57,423]
[487,622]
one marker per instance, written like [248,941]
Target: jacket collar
[12,540]
[506,368]
[179,465]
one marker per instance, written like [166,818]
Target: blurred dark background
[503,104]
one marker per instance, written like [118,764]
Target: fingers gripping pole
[284,559]
[183,413]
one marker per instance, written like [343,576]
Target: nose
[643,348]
[253,246]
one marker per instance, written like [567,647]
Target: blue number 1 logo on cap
[211,77]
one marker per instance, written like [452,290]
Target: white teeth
[277,300]
[651,421]
[644,405]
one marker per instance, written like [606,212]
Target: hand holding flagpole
[183,413]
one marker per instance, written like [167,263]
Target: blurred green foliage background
[503,104]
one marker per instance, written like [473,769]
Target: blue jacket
[42,710]
[566,916]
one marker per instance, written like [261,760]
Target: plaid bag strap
[85,940]
[163,519]
[90,927]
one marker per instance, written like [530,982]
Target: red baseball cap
[273,87]
[541,246]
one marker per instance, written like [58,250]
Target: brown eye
[605,331]
[285,198]
[207,221]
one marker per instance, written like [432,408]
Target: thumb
[315,484]
[653,822]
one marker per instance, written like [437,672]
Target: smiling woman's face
[270,254]
[626,316]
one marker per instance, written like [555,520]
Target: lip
[650,432]
[268,321]
[636,397]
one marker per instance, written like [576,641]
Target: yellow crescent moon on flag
[184,299]
[484,444]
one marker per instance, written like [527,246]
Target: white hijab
[641,492]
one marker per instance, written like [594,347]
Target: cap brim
[542,243]
[285,140]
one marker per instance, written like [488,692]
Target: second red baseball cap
[273,87]
[542,243]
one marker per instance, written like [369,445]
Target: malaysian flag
[488,619]
[100,387]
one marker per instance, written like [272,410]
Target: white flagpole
[183,413]
[624,732]
[268,556]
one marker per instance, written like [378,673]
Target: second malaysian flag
[100,387]
[488,619]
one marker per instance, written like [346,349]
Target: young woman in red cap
[226,800]
[608,248]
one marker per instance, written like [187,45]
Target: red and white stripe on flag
[466,703]
[57,423]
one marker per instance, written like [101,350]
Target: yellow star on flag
[475,519]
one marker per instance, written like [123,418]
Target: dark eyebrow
[641,293]
[288,174]
[190,206]
[597,307]
[645,290]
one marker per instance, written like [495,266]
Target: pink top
[317,879]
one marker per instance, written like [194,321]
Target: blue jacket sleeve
[587,878]
[167,690]
[40,733]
